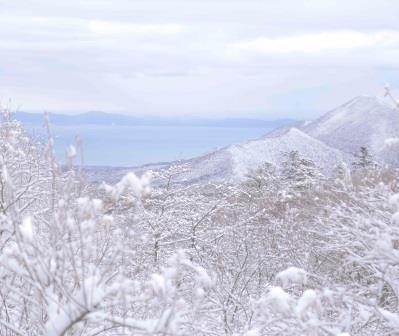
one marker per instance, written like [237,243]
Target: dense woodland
[286,252]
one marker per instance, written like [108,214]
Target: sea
[130,146]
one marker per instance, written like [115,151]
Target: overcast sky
[209,58]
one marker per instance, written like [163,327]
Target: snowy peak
[363,121]
[362,109]
[293,133]
[273,149]
[327,141]
[235,161]
[365,102]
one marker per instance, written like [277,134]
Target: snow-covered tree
[363,159]
[300,173]
[285,252]
[68,266]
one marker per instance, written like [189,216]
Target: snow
[384,248]
[328,141]
[5,176]
[279,300]
[392,142]
[273,149]
[203,278]
[61,316]
[130,183]
[363,121]
[97,204]
[234,162]
[26,228]
[392,318]
[395,218]
[79,281]
[71,152]
[292,275]
[307,301]
[253,332]
[394,201]
[159,285]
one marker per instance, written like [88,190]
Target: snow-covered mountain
[274,148]
[235,161]
[328,141]
[363,121]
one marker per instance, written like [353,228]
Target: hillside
[363,121]
[235,161]
[328,140]
[331,139]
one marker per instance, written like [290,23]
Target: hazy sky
[210,58]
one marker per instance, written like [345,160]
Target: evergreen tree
[299,172]
[363,159]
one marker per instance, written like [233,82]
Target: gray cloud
[208,57]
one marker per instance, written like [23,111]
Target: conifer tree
[363,159]
[298,172]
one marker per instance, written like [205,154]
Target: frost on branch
[64,259]
[286,252]
[130,187]
[292,275]
[278,300]
[305,313]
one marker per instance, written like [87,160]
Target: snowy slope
[273,149]
[232,163]
[333,138]
[363,121]
[329,140]
[235,161]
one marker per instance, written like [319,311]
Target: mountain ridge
[328,140]
[363,121]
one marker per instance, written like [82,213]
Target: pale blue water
[136,145]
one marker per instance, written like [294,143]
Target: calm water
[137,145]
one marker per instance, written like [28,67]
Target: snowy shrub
[286,252]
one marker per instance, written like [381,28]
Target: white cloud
[196,57]
[118,28]
[318,42]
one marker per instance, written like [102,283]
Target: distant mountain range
[102,118]
[331,139]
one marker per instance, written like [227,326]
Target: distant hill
[363,121]
[235,161]
[102,118]
[329,140]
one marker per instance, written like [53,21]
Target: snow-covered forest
[287,251]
